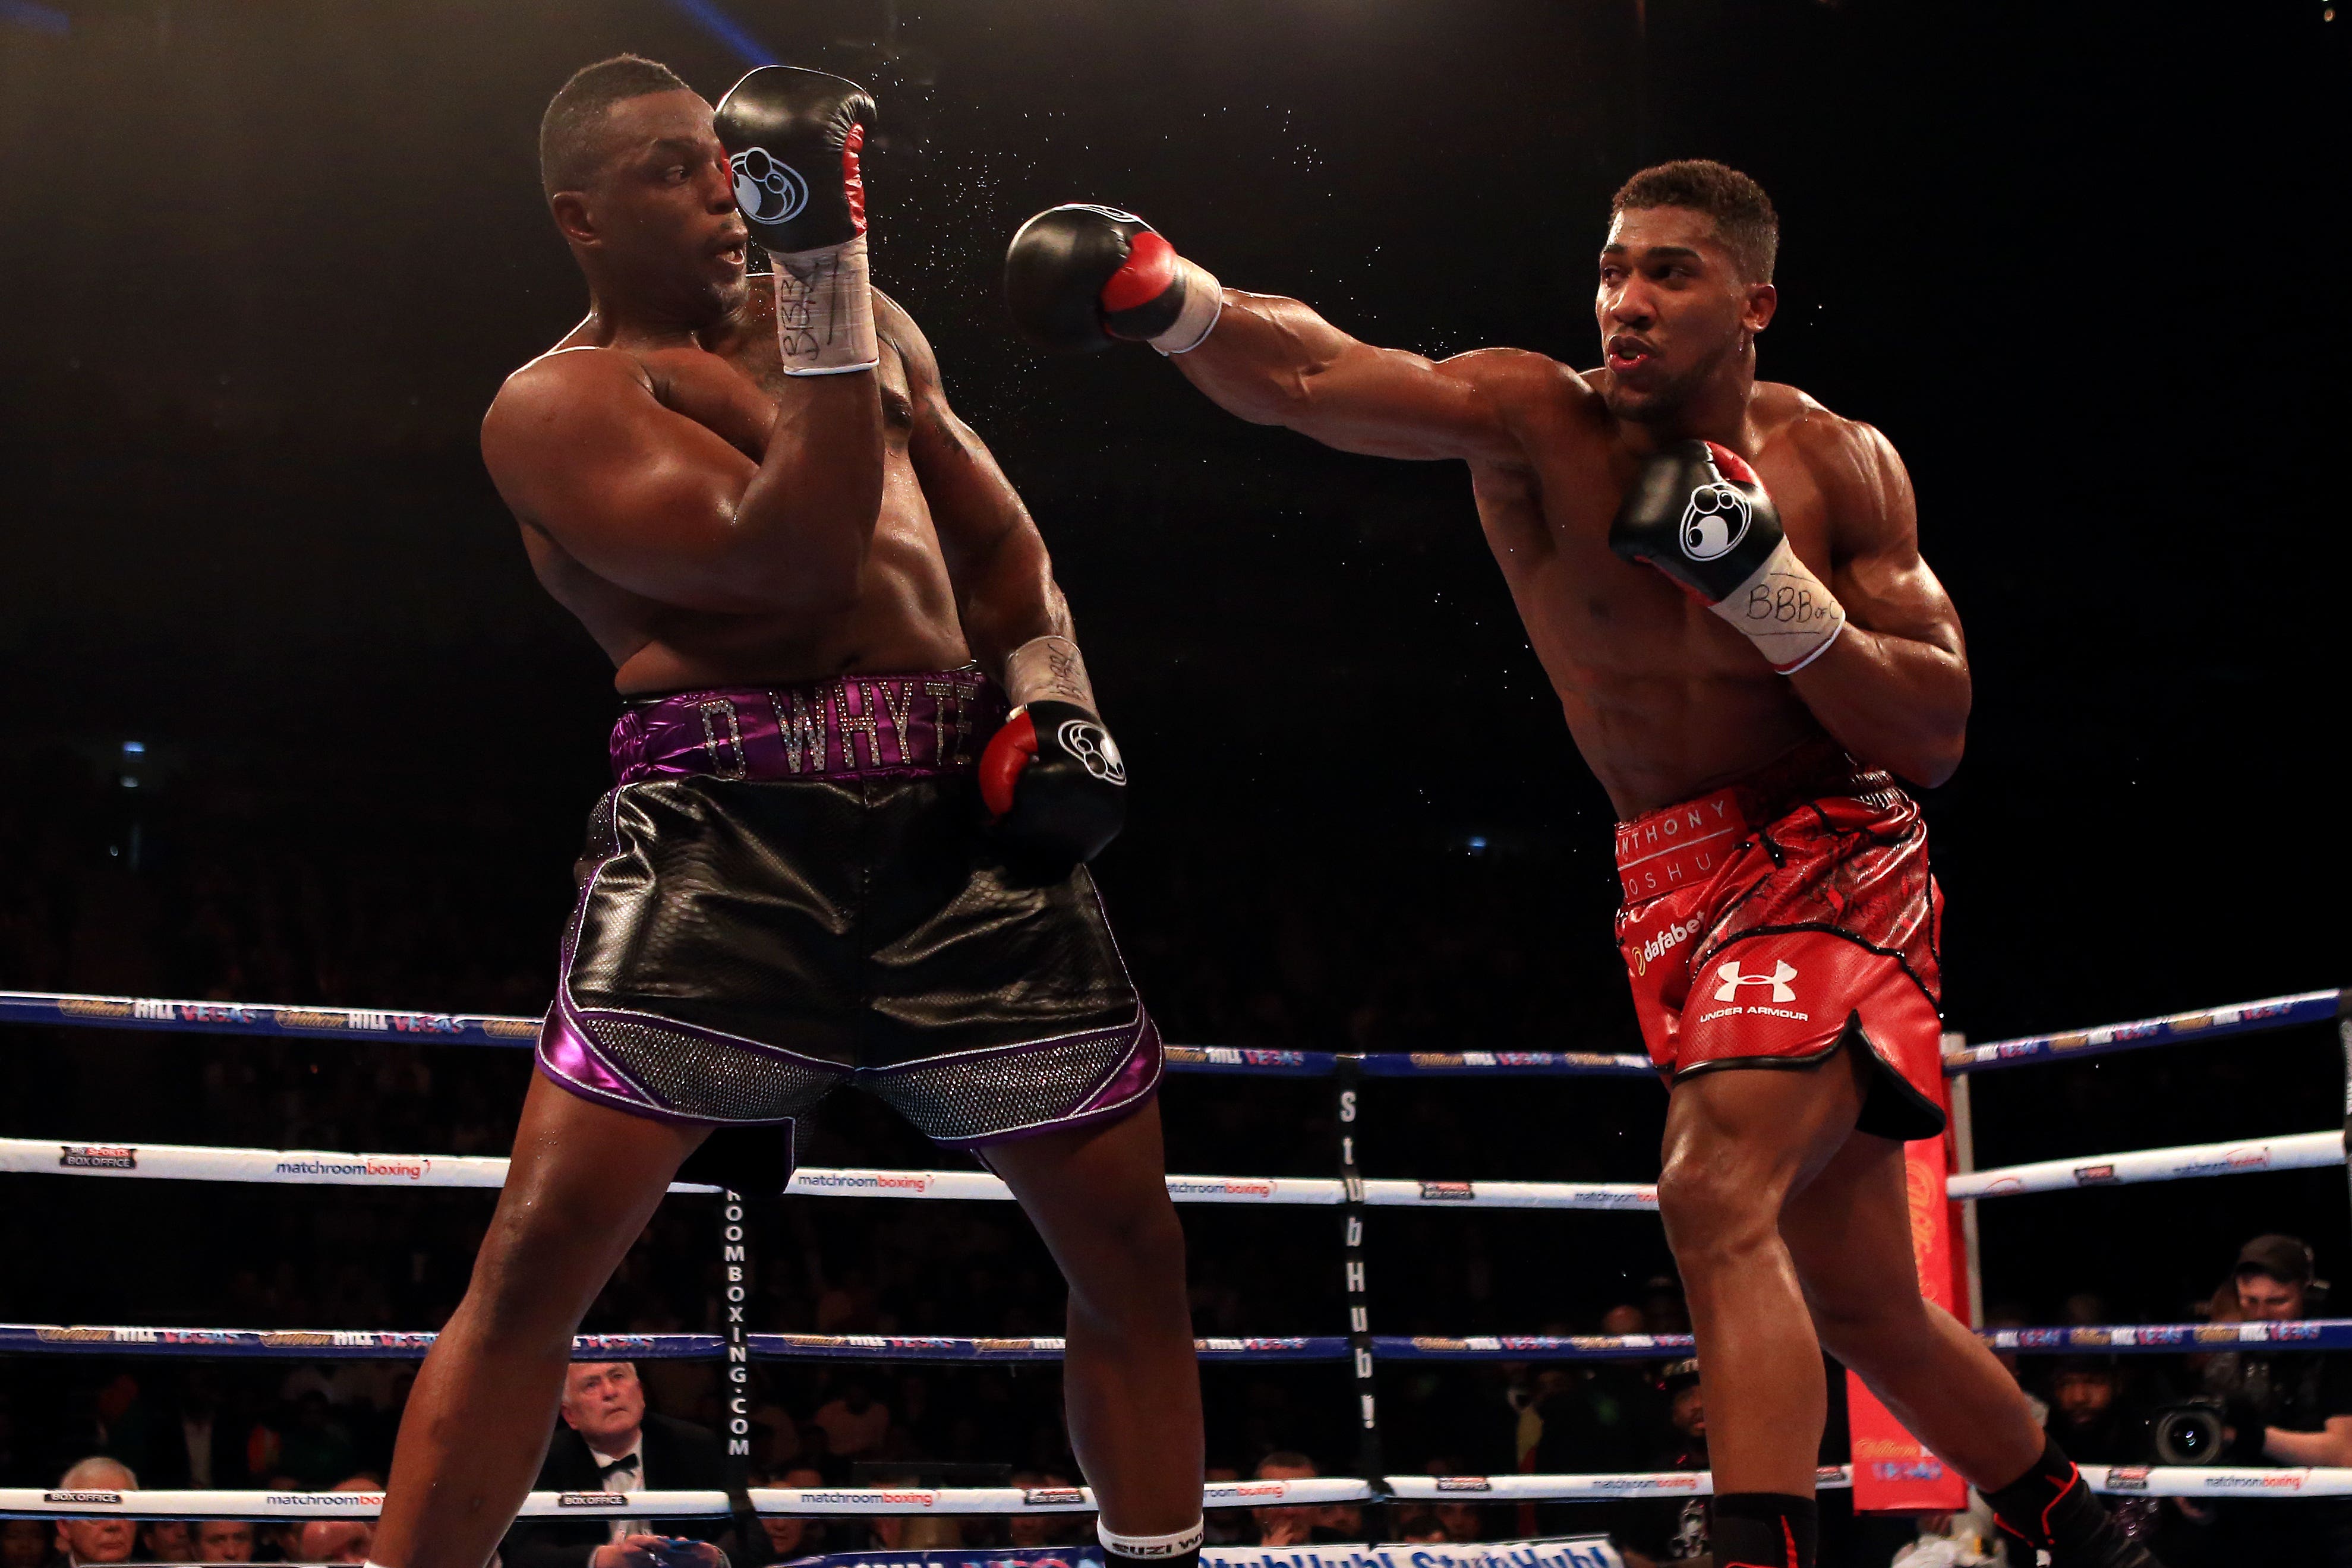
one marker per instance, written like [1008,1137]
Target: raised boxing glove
[1081,277]
[794,139]
[1698,512]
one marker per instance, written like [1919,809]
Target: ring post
[2344,1039]
[1964,1162]
[1349,1073]
[735,1347]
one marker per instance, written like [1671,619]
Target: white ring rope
[2140,1480]
[313,1167]
[851,1501]
[2297,1151]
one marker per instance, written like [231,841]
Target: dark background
[266,262]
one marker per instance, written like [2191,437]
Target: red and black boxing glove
[1052,778]
[1082,277]
[793,138]
[1698,512]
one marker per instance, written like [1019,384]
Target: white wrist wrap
[1204,301]
[1174,1545]
[1788,613]
[1048,669]
[825,311]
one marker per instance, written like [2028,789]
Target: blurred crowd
[203,881]
[329,1426]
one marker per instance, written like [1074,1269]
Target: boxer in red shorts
[1723,581]
[1772,923]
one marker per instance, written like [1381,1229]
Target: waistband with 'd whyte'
[858,727]
[1682,845]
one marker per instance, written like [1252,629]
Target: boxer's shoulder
[1543,402]
[1853,463]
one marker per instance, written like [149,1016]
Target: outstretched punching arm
[1083,277]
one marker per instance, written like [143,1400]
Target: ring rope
[2294,1151]
[2140,1480]
[315,1168]
[285,1021]
[852,1502]
[385,1344]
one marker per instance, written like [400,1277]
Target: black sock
[2051,1509]
[1113,1558]
[1762,1530]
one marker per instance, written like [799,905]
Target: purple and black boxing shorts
[789,890]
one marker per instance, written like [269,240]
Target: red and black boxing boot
[1763,1530]
[2053,1512]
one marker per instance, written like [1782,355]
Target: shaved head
[571,144]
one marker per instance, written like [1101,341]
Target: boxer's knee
[1720,1209]
[533,1279]
[1135,1270]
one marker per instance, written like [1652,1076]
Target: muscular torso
[905,614]
[1664,699]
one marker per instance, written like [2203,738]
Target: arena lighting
[722,26]
[36,18]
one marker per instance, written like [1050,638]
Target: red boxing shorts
[1792,912]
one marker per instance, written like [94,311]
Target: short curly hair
[1743,214]
[571,149]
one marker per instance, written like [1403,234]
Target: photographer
[2282,1407]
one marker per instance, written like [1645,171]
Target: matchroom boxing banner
[1892,1473]
[1578,1551]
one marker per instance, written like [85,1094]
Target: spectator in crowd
[1460,1519]
[336,1540]
[2282,1407]
[854,1423]
[81,1541]
[1284,1526]
[2085,1417]
[1670,1530]
[196,1443]
[1302,1526]
[165,1541]
[607,1442]
[316,1446]
[1663,1309]
[1033,1530]
[790,1537]
[24,1542]
[1223,1526]
[222,1541]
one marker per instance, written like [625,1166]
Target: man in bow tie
[609,1443]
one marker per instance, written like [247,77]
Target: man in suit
[609,1443]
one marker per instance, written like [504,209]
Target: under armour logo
[1782,973]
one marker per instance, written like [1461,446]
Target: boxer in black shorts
[856,775]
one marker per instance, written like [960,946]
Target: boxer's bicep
[1877,571]
[637,493]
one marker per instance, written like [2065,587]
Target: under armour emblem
[1782,973]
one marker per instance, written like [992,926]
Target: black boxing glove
[793,138]
[1698,512]
[1081,277]
[1052,778]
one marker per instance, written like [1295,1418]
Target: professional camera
[2189,1432]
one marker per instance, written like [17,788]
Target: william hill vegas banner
[1578,1551]
[1891,1473]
